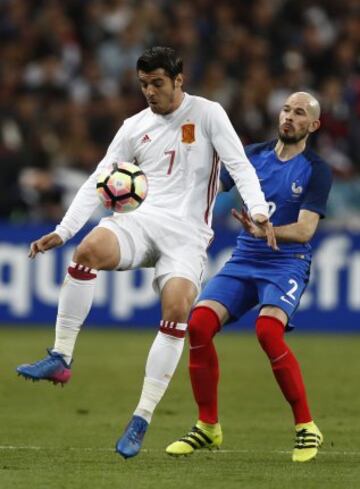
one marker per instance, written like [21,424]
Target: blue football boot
[129,444]
[52,368]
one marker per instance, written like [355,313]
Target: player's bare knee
[220,310]
[274,312]
[177,311]
[88,254]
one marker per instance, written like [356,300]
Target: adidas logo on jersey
[145,139]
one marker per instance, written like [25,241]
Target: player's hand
[45,243]
[248,224]
[259,226]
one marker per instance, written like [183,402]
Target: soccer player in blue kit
[296,183]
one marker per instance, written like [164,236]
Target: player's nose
[149,92]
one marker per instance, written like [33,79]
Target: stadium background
[67,81]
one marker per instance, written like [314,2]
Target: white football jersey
[180,154]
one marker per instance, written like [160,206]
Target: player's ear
[314,126]
[179,80]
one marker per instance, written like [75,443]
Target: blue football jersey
[303,182]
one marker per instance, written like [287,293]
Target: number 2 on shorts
[290,293]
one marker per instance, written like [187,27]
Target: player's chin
[288,137]
[156,108]
[160,109]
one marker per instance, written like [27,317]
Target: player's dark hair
[160,57]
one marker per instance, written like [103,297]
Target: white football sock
[76,297]
[163,358]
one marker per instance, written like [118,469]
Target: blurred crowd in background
[67,81]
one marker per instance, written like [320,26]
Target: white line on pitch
[146,450]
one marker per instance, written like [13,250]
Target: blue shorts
[245,282]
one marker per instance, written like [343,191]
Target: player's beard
[293,138]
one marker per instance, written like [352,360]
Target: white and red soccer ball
[123,188]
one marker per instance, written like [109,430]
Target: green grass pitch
[54,438]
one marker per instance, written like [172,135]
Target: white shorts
[165,242]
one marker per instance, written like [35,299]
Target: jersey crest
[188,133]
[297,190]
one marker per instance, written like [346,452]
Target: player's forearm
[247,182]
[232,154]
[296,232]
[80,210]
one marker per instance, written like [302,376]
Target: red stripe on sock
[286,369]
[80,274]
[177,333]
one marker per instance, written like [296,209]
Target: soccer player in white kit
[178,141]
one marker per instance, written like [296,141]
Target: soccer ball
[122,189]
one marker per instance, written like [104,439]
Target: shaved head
[298,118]
[307,101]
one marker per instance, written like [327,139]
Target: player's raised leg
[98,251]
[177,298]
[270,332]
[205,321]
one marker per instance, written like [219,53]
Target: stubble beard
[294,139]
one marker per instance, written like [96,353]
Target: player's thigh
[135,248]
[275,312]
[234,293]
[177,298]
[99,250]
[185,260]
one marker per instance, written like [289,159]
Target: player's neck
[175,104]
[177,101]
[287,151]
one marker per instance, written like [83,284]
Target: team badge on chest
[188,133]
[296,189]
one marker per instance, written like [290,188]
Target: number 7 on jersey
[171,153]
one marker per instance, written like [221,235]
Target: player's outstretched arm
[300,231]
[259,226]
[46,242]
[86,199]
